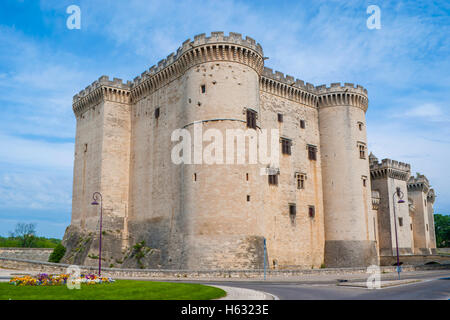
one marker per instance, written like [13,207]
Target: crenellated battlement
[289,80]
[220,37]
[199,40]
[217,47]
[346,94]
[390,168]
[102,89]
[338,87]
[418,183]
[235,48]
[288,87]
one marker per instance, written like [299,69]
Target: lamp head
[95,203]
[401,201]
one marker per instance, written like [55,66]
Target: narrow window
[194,177]
[400,222]
[251,119]
[286,146]
[302,124]
[427,226]
[301,180]
[311,211]
[246,176]
[362,151]
[280,117]
[157,113]
[273,179]
[364,180]
[292,212]
[360,126]
[248,198]
[85,147]
[203,87]
[411,226]
[312,152]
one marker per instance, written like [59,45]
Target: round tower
[220,195]
[349,233]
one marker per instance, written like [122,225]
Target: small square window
[280,117]
[360,126]
[286,146]
[273,179]
[312,152]
[364,180]
[302,124]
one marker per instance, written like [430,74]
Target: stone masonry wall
[38,254]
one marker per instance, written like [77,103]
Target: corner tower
[422,217]
[349,231]
[221,200]
[102,147]
[386,176]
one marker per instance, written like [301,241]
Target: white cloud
[17,151]
[427,112]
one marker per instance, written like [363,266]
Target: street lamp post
[96,197]
[399,195]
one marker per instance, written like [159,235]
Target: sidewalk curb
[237,293]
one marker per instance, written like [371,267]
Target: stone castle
[327,203]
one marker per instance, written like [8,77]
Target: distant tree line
[24,236]
[442,227]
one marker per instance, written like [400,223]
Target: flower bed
[44,279]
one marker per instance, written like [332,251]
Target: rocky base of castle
[82,248]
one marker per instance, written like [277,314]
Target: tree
[25,233]
[442,228]
[57,253]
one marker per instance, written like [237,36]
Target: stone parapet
[337,94]
[100,90]
[390,168]
[39,254]
[418,183]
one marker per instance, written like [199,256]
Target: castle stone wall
[297,242]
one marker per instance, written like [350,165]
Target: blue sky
[405,66]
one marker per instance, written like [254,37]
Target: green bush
[57,253]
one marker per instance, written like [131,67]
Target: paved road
[433,287]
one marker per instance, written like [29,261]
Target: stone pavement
[383,284]
[234,293]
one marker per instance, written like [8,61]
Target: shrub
[57,253]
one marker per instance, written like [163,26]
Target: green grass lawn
[119,290]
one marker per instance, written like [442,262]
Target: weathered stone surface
[38,254]
[209,216]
